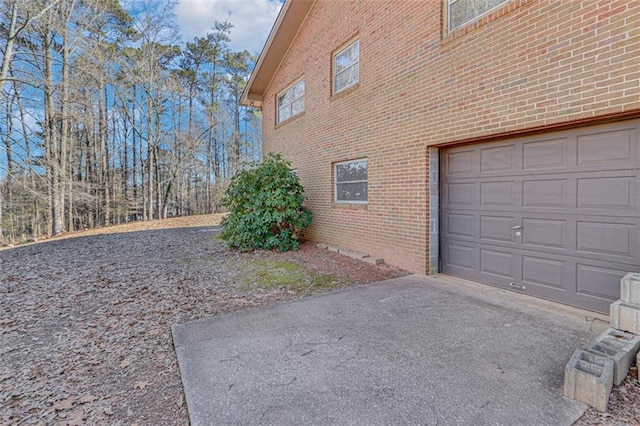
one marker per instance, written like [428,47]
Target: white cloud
[252,20]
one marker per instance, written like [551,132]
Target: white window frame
[350,68]
[336,183]
[289,105]
[475,18]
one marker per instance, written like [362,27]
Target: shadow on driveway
[413,350]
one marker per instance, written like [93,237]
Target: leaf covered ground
[85,321]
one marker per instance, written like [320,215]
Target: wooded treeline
[105,117]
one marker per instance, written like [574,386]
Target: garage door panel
[605,193]
[497,229]
[546,272]
[460,162]
[460,225]
[598,281]
[546,154]
[605,238]
[545,193]
[545,233]
[498,159]
[459,194]
[557,215]
[620,148]
[497,194]
[500,263]
[460,256]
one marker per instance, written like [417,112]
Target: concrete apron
[413,350]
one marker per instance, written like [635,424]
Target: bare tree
[15,27]
[105,118]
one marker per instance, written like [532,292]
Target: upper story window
[291,102]
[346,67]
[351,181]
[461,12]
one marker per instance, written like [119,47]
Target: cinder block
[352,253]
[373,260]
[625,317]
[588,378]
[333,248]
[357,255]
[630,288]
[621,347]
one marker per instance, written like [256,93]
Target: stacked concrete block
[625,313]
[625,316]
[588,378]
[620,347]
[592,371]
[630,288]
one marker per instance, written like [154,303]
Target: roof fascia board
[284,31]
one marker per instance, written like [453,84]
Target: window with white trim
[346,67]
[462,12]
[291,102]
[351,181]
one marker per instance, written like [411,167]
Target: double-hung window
[351,181]
[346,67]
[462,12]
[291,102]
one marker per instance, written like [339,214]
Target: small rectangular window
[461,12]
[291,102]
[351,181]
[346,67]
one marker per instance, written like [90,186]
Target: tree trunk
[65,175]
[125,163]
[52,142]
[11,38]
[150,158]
[209,172]
[12,35]
[1,203]
[134,164]
[158,180]
[104,151]
[35,215]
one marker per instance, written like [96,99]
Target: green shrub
[265,203]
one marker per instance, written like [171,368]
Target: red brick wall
[529,64]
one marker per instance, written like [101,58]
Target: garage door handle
[517,227]
[521,287]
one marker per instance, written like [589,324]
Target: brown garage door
[556,216]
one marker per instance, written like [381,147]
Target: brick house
[494,140]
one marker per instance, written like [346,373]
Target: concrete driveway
[413,350]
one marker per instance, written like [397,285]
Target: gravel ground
[85,319]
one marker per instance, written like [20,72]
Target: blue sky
[252,20]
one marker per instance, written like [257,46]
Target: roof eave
[282,34]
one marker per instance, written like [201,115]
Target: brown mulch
[623,407]
[85,319]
